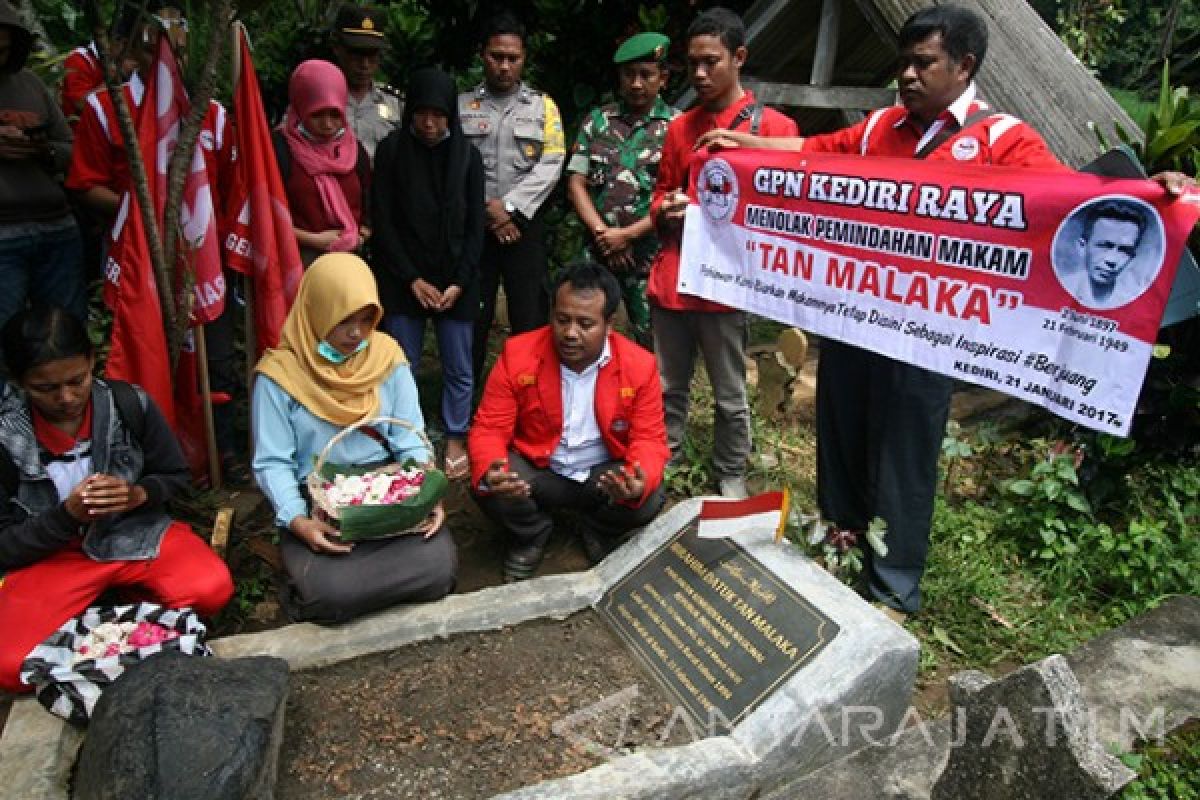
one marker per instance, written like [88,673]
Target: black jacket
[427,206]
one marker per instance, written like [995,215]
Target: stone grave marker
[718,629]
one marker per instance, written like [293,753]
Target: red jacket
[677,154]
[521,407]
[1001,140]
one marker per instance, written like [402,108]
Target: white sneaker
[733,488]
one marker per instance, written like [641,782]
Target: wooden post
[251,356]
[251,348]
[210,433]
[220,531]
[827,41]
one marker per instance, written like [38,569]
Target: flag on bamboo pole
[198,260]
[139,347]
[259,240]
[199,264]
[139,342]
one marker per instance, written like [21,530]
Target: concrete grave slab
[855,690]
[1026,737]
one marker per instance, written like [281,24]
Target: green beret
[642,47]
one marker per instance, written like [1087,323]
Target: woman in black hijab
[427,224]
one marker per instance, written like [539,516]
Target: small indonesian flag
[723,518]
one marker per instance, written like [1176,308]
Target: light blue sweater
[288,438]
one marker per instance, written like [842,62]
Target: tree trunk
[140,186]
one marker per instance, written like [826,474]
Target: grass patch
[1170,771]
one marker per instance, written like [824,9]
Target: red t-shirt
[98,157]
[682,134]
[82,74]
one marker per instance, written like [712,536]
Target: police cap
[360,28]
[642,47]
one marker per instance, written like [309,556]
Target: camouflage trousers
[633,293]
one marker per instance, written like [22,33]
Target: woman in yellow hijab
[332,368]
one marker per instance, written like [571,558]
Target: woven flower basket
[361,522]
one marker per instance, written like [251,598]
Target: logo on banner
[965,149]
[717,188]
[1109,250]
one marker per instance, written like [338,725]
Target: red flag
[139,343]
[260,241]
[139,347]
[199,250]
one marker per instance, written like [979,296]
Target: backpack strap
[753,113]
[945,133]
[129,408]
[8,473]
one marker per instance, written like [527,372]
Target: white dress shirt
[581,446]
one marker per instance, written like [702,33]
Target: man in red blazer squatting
[571,418]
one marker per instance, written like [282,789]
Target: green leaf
[1023,487]
[944,639]
[1079,503]
[1169,139]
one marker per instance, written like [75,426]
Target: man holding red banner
[880,422]
[100,173]
[683,324]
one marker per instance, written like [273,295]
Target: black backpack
[129,407]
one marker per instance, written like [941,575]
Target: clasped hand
[321,537]
[433,299]
[100,494]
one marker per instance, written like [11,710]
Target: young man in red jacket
[571,418]
[683,324]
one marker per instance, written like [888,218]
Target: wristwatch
[509,208]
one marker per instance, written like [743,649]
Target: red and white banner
[260,241]
[200,246]
[1048,286]
[139,347]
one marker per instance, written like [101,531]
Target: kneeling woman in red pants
[86,468]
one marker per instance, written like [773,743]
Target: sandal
[456,467]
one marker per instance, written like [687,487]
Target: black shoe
[596,547]
[522,561]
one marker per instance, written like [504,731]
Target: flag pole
[210,431]
[238,30]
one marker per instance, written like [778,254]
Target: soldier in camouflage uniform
[612,170]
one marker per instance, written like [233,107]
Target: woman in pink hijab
[326,172]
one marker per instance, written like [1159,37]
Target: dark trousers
[529,521]
[880,425]
[522,267]
[374,575]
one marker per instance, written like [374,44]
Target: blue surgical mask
[335,356]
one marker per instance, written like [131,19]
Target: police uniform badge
[530,151]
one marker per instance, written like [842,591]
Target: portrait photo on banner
[1109,250]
